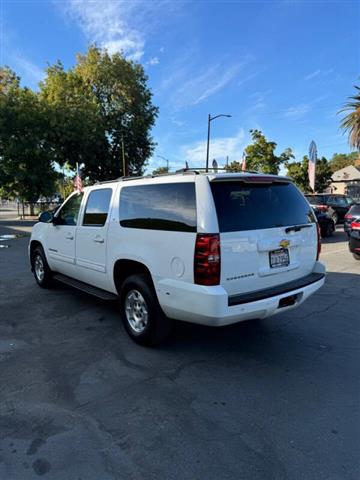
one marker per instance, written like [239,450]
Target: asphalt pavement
[275,399]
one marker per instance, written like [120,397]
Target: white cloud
[220,147]
[153,61]
[195,88]
[119,26]
[297,111]
[318,73]
[29,72]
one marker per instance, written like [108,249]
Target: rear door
[91,238]
[268,233]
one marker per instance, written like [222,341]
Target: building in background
[347,181]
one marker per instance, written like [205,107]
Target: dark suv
[335,205]
[352,215]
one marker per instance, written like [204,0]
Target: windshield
[242,206]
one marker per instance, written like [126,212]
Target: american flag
[77,180]
[243,163]
[312,164]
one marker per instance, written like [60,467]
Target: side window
[166,206]
[69,213]
[97,207]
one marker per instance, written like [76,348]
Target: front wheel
[143,318]
[41,269]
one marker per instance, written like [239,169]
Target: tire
[356,256]
[141,313]
[41,269]
[330,229]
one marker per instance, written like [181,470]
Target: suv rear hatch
[268,232]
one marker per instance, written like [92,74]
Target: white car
[208,248]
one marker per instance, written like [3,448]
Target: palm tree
[351,123]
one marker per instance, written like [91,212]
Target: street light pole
[166,160]
[210,119]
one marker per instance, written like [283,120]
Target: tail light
[318,241]
[322,208]
[207,259]
[348,216]
[355,225]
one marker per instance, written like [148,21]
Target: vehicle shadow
[337,237]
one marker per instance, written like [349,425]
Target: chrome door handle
[69,237]
[99,240]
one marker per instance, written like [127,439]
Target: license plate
[279,258]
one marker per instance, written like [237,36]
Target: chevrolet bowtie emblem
[284,243]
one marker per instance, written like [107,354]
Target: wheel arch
[123,268]
[33,245]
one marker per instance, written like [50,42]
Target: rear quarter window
[242,206]
[355,209]
[166,206]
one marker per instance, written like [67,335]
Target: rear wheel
[356,256]
[330,229]
[41,269]
[141,313]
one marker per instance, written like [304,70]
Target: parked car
[192,246]
[351,216]
[326,223]
[335,205]
[354,238]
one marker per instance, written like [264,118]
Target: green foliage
[96,105]
[342,160]
[160,171]
[234,167]
[260,155]
[298,171]
[26,168]
[351,122]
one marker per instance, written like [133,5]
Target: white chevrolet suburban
[208,248]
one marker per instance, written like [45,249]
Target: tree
[298,171]
[342,160]
[160,171]
[97,105]
[260,155]
[351,122]
[234,166]
[26,167]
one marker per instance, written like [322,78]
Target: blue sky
[285,67]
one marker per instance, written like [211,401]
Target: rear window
[355,209]
[242,206]
[314,200]
[166,206]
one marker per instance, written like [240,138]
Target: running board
[85,287]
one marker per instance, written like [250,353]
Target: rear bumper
[212,306]
[354,241]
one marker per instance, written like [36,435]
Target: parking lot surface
[273,399]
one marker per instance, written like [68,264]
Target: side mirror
[46,217]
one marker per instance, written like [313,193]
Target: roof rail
[192,170]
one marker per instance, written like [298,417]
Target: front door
[60,244]
[91,239]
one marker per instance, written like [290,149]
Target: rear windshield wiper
[297,228]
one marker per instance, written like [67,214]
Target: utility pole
[210,119]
